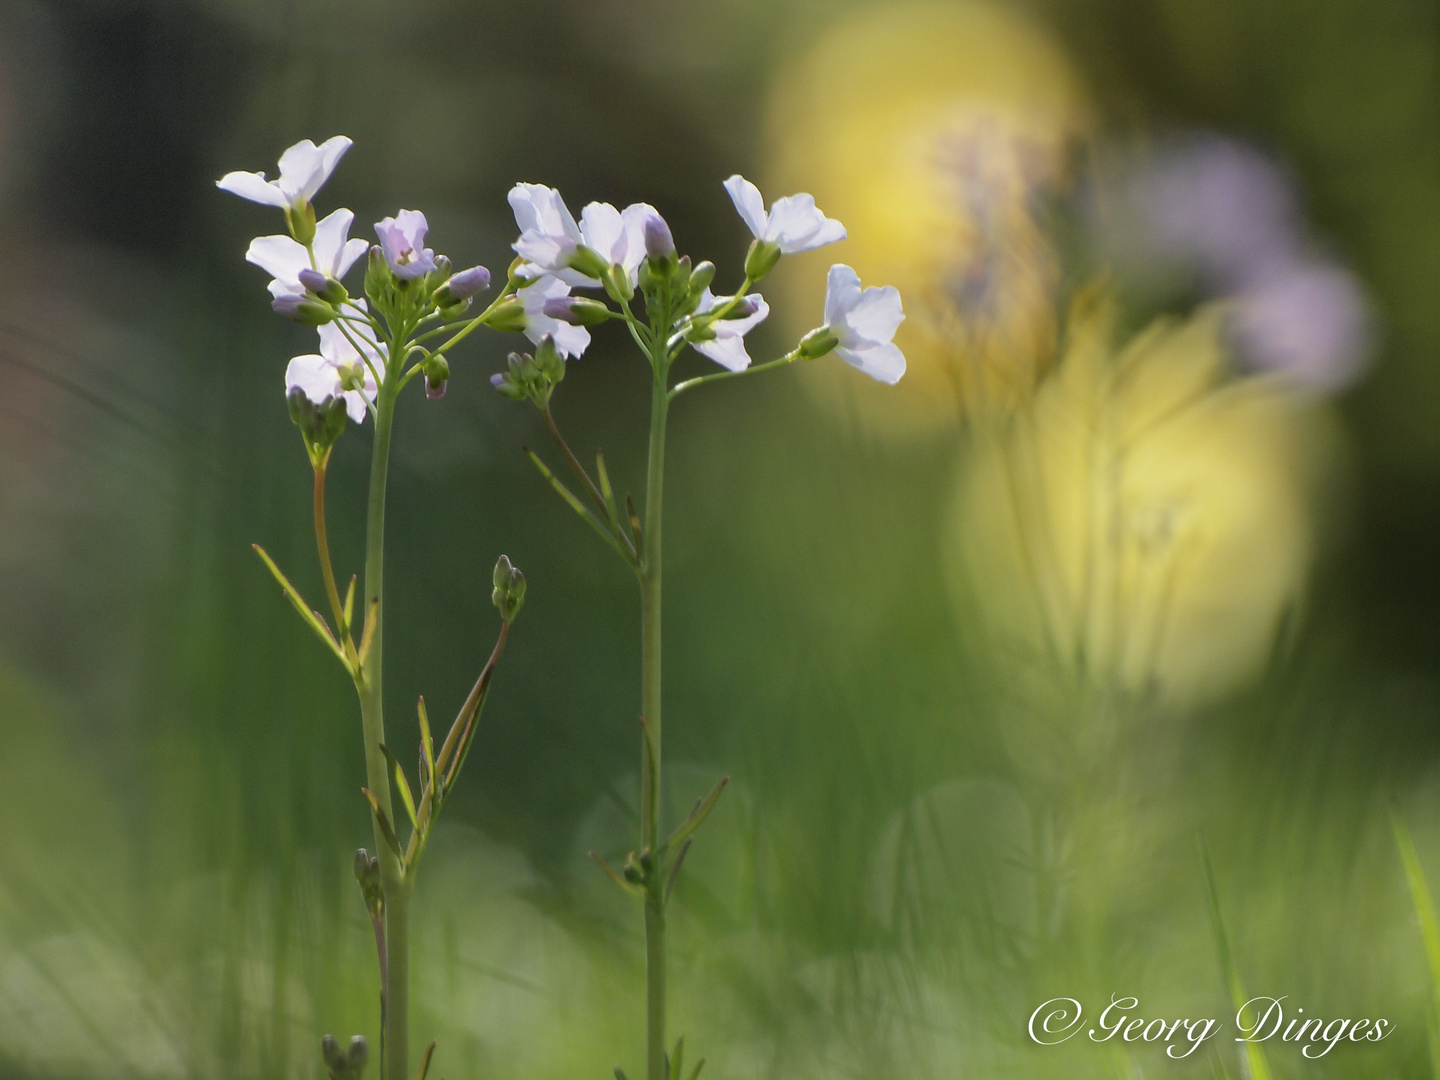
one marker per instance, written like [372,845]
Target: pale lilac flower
[324,375]
[794,223]
[727,347]
[1309,321]
[570,341]
[467,283]
[303,169]
[284,258]
[863,323]
[402,239]
[550,238]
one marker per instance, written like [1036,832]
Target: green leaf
[1254,1052]
[386,830]
[677,1058]
[427,747]
[312,618]
[616,877]
[675,867]
[349,601]
[579,507]
[400,782]
[425,1061]
[605,489]
[698,814]
[1424,905]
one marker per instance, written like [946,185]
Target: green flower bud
[817,343]
[367,873]
[320,425]
[680,276]
[509,594]
[508,316]
[617,281]
[300,220]
[303,310]
[589,262]
[548,361]
[701,277]
[761,259]
[513,275]
[437,374]
[378,279]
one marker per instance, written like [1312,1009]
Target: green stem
[721,376]
[650,704]
[372,714]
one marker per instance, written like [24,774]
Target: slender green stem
[372,713]
[720,376]
[650,704]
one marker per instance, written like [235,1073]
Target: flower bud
[617,281]
[743,309]
[300,220]
[659,242]
[513,275]
[576,310]
[463,285]
[761,259]
[817,343]
[509,594]
[508,386]
[327,288]
[437,374]
[367,873]
[454,311]
[680,276]
[701,277]
[508,317]
[303,309]
[588,261]
[378,279]
[549,363]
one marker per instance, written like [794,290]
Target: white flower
[284,258]
[321,376]
[402,238]
[794,224]
[569,340]
[863,323]
[618,235]
[303,169]
[727,348]
[550,237]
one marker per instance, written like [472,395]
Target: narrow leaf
[368,634]
[425,1061]
[311,617]
[616,877]
[400,782]
[427,747]
[620,1073]
[606,490]
[695,1072]
[675,866]
[677,1059]
[1254,1053]
[635,527]
[579,507]
[349,601]
[1424,905]
[699,814]
[386,830]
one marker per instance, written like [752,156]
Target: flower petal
[253,186]
[331,232]
[601,229]
[314,375]
[874,316]
[281,257]
[728,352]
[884,362]
[842,291]
[796,224]
[748,203]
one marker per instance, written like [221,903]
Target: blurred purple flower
[1308,320]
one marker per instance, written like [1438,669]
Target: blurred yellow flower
[1144,523]
[934,132]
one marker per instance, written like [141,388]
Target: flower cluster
[365,341]
[622,250]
